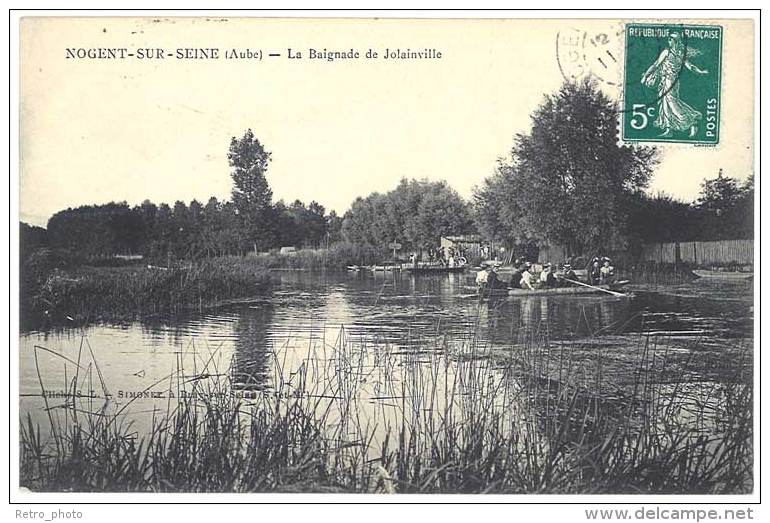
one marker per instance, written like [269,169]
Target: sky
[94,131]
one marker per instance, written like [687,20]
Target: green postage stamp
[672,82]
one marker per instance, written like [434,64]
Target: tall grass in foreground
[350,417]
[337,256]
[117,294]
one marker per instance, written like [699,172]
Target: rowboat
[435,269]
[556,291]
[373,268]
[384,268]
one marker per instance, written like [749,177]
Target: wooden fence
[699,254]
[553,254]
[723,252]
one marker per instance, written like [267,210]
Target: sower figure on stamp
[673,113]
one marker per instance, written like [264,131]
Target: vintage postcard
[386,256]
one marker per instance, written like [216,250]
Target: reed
[659,273]
[438,416]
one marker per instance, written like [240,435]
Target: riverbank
[59,287]
[541,417]
[80,294]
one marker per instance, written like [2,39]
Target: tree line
[566,182]
[724,210]
[186,231]
[248,221]
[416,213]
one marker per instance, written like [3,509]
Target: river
[309,315]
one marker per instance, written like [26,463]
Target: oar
[594,287]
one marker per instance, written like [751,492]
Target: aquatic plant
[659,273]
[119,294]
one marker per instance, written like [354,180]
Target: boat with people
[546,279]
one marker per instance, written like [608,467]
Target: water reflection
[396,314]
[252,345]
[564,317]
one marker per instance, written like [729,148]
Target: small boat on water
[614,289]
[723,275]
[373,268]
[384,268]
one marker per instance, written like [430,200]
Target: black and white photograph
[500,257]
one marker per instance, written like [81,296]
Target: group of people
[525,276]
[449,257]
[601,271]
[530,277]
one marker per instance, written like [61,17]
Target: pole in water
[595,287]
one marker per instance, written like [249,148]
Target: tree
[662,218]
[147,212]
[31,238]
[567,181]
[281,221]
[97,230]
[360,223]
[727,208]
[310,222]
[251,194]
[334,227]
[231,234]
[719,195]
[213,228]
[496,210]
[746,209]
[163,234]
[440,212]
[416,214]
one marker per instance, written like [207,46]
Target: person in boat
[527,279]
[547,276]
[594,272]
[607,272]
[441,257]
[516,275]
[494,281]
[565,274]
[482,277]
